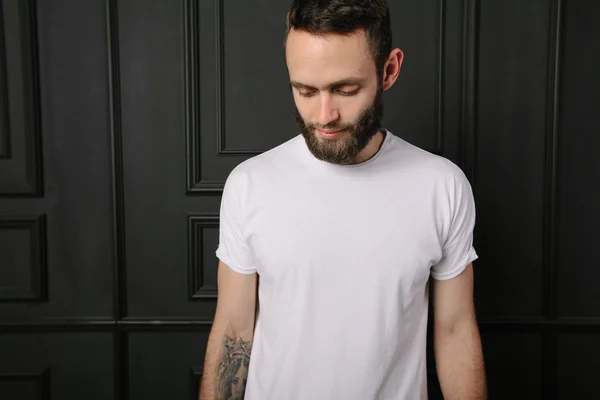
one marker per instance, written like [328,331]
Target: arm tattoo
[232,370]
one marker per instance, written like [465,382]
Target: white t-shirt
[344,254]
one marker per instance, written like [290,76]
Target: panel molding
[194,182]
[5,150]
[195,378]
[192,101]
[549,287]
[440,77]
[550,307]
[34,183]
[116,137]
[41,381]
[220,95]
[38,290]
[197,289]
[548,325]
[33,94]
[467,137]
[121,354]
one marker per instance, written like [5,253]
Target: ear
[391,68]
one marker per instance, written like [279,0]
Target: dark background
[120,120]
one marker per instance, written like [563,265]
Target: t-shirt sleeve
[458,250]
[233,248]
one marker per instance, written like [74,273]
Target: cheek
[351,110]
[306,108]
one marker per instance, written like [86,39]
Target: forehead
[320,59]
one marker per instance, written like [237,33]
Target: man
[328,241]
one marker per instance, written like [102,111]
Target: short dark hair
[345,17]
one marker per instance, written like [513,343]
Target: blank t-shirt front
[344,255]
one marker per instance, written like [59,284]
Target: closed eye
[309,92]
[352,86]
[305,94]
[341,92]
[344,93]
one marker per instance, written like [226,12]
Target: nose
[328,111]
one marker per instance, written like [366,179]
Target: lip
[328,134]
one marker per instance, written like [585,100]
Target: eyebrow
[342,82]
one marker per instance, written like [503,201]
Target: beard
[354,138]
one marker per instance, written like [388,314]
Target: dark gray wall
[120,120]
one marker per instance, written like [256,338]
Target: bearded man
[329,241]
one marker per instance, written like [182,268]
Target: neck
[371,149]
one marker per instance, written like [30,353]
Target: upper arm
[453,301]
[237,268]
[453,274]
[236,300]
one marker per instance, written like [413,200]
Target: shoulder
[257,167]
[427,166]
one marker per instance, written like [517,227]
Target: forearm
[226,363]
[459,362]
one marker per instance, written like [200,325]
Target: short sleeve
[458,250]
[233,248]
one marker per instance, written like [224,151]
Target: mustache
[331,126]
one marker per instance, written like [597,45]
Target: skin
[230,337]
[334,79]
[238,384]
[457,342]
